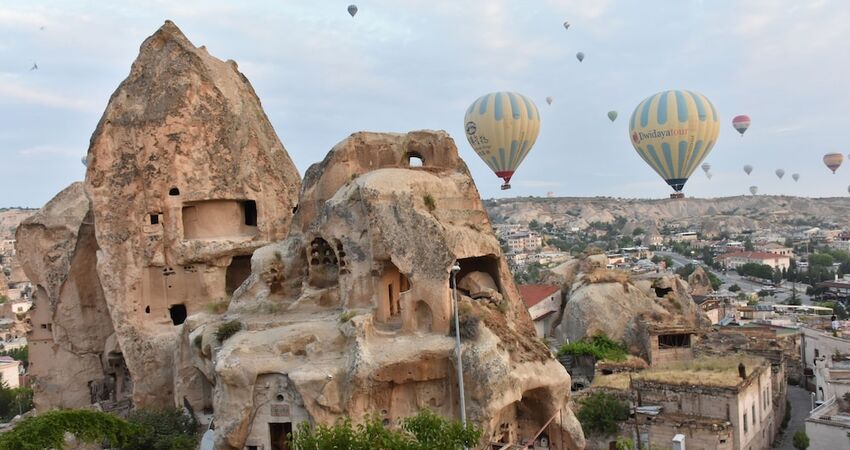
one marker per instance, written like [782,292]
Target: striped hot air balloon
[741,123]
[833,161]
[502,127]
[673,131]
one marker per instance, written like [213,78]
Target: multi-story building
[543,302]
[737,259]
[777,249]
[524,241]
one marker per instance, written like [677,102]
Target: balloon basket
[677,195]
[506,186]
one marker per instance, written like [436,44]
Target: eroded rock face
[699,282]
[349,315]
[187,178]
[623,307]
[68,345]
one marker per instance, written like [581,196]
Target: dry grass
[632,363]
[619,381]
[714,372]
[607,276]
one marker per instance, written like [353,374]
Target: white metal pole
[455,270]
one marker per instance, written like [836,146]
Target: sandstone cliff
[350,314]
[187,178]
[73,357]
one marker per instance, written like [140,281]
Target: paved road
[800,404]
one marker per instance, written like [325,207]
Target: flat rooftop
[705,371]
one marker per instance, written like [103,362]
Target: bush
[48,430]
[424,431]
[468,326]
[801,440]
[14,401]
[599,413]
[346,316]
[162,429]
[218,307]
[599,346]
[734,288]
[429,202]
[227,329]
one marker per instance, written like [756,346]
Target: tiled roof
[533,294]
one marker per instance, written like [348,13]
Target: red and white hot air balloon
[741,123]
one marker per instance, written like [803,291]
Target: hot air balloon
[748,168]
[848,189]
[754,190]
[741,123]
[706,167]
[795,176]
[502,127]
[549,100]
[580,56]
[709,175]
[780,173]
[612,115]
[673,131]
[566,25]
[833,161]
[352,9]
[85,161]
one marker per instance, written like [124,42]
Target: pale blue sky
[401,65]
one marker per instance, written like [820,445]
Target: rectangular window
[754,415]
[249,207]
[154,219]
[746,428]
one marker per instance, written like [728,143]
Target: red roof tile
[533,294]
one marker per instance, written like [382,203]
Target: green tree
[600,413]
[14,401]
[748,245]
[821,260]
[801,440]
[534,225]
[424,431]
[734,288]
[162,429]
[637,231]
[21,354]
[48,430]
[756,270]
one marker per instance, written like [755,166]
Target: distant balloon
[754,190]
[673,131]
[549,100]
[706,167]
[502,127]
[85,161]
[566,25]
[741,123]
[848,189]
[833,161]
[709,175]
[795,176]
[352,9]
[748,168]
[612,115]
[780,173]
[580,56]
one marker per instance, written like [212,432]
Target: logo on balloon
[471,128]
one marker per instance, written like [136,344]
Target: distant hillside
[10,218]
[732,214]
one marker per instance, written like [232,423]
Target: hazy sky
[402,65]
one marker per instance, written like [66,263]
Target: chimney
[742,371]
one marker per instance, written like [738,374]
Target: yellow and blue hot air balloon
[502,127]
[673,131]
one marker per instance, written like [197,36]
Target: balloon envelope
[706,167]
[612,115]
[833,161]
[780,173]
[502,127]
[741,123]
[754,190]
[673,131]
[795,176]
[748,168]
[580,56]
[709,175]
[549,100]
[352,9]
[566,25]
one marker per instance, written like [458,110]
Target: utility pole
[455,270]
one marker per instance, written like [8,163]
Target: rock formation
[350,314]
[625,307]
[187,178]
[699,283]
[74,359]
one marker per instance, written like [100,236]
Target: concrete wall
[825,435]
[816,342]
[10,373]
